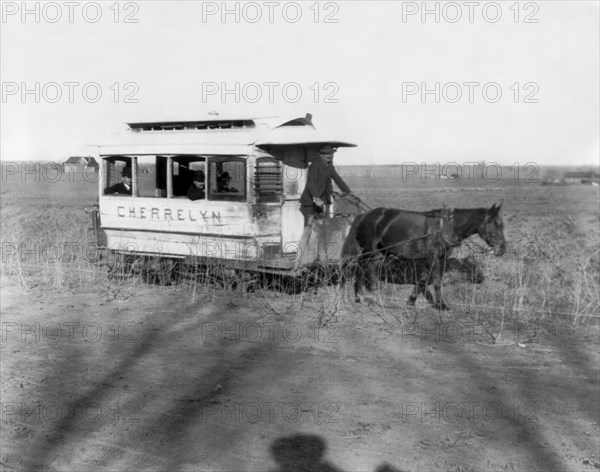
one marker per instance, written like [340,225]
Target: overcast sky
[370,61]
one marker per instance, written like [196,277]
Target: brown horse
[412,247]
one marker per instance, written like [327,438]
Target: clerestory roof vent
[207,125]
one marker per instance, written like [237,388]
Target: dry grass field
[106,374]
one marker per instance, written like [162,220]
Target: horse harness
[444,232]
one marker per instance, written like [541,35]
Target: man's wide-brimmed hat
[198,176]
[126,172]
[327,149]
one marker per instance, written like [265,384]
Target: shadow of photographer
[304,453]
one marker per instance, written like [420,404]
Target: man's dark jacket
[195,193]
[118,188]
[318,182]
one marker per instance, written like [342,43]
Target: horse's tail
[350,251]
[351,248]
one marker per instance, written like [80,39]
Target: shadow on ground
[304,453]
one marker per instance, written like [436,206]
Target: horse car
[248,219]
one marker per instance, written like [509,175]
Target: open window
[118,175]
[140,176]
[149,181]
[227,178]
[184,168]
[166,176]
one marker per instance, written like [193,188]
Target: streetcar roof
[218,135]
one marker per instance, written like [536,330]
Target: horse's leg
[358,280]
[363,278]
[413,296]
[437,285]
[427,294]
[419,277]
[425,276]
[371,272]
[414,276]
[421,284]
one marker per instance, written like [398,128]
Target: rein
[355,200]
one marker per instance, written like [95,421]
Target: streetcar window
[227,178]
[149,184]
[225,175]
[117,176]
[183,172]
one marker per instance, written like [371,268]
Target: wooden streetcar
[248,228]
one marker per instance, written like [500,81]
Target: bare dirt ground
[121,375]
[149,378]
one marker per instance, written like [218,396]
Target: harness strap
[446,238]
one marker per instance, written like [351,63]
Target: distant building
[546,182]
[77,163]
[586,178]
[452,176]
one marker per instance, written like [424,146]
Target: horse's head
[492,230]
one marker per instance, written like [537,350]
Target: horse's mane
[467,220]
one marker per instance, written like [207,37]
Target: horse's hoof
[410,303]
[442,306]
[357,300]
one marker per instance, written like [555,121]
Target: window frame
[111,171]
[242,194]
[176,189]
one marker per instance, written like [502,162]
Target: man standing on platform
[319,187]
